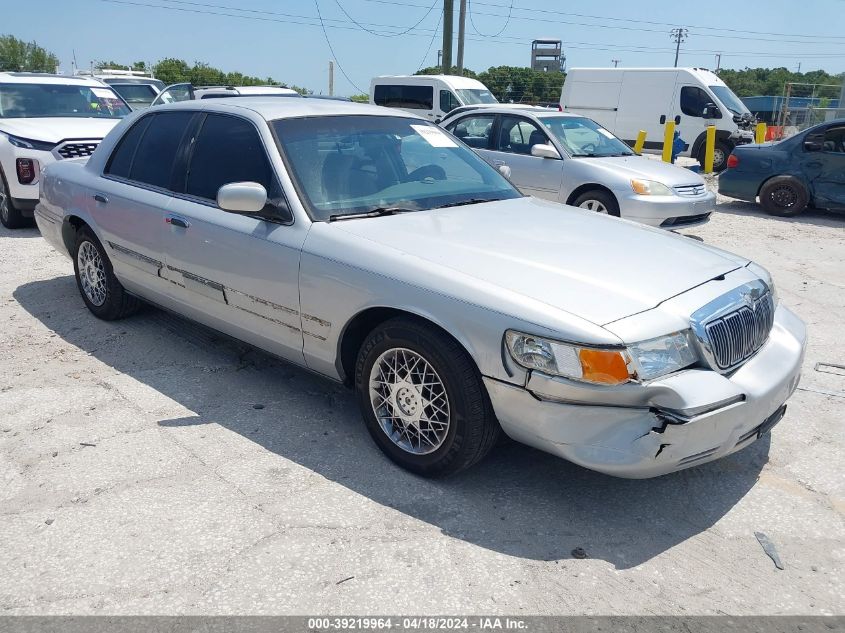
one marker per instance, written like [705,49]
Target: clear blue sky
[283,38]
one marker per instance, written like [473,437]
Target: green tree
[172,71]
[362,98]
[101,65]
[17,55]
[749,82]
[438,70]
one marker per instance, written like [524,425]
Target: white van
[627,100]
[431,96]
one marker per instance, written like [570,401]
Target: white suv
[45,118]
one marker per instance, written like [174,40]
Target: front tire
[10,217]
[784,196]
[721,151]
[599,201]
[101,291]
[422,399]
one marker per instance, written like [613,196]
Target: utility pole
[718,61]
[462,22]
[678,35]
[615,62]
[331,78]
[448,11]
[439,56]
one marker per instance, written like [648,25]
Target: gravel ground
[148,466]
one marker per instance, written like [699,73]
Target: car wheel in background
[422,399]
[100,289]
[784,196]
[10,217]
[599,201]
[720,156]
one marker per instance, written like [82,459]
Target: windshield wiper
[375,213]
[461,203]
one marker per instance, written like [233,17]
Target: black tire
[720,155]
[606,199]
[10,217]
[472,426]
[784,196]
[116,303]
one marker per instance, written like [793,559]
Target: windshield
[729,99]
[473,96]
[581,136]
[18,101]
[356,164]
[136,93]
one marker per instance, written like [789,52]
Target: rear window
[411,97]
[156,153]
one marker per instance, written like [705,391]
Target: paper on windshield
[434,136]
[103,93]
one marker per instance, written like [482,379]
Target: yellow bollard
[760,133]
[668,138]
[638,146]
[709,148]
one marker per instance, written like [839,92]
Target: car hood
[596,267]
[645,168]
[55,129]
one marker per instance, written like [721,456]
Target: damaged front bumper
[645,430]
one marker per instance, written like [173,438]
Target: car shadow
[519,502]
[816,217]
[29,231]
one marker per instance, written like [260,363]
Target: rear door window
[120,162]
[227,149]
[157,149]
[474,130]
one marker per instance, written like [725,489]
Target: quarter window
[228,149]
[448,101]
[120,162]
[474,130]
[694,100]
[157,149]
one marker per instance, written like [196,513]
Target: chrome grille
[736,336]
[690,191]
[76,150]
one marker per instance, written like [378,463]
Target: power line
[678,34]
[430,42]
[475,28]
[334,56]
[408,30]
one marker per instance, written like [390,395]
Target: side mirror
[544,150]
[505,170]
[242,197]
[814,143]
[711,111]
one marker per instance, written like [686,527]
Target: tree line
[508,83]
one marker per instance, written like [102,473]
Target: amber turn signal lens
[606,367]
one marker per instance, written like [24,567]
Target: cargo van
[627,100]
[431,96]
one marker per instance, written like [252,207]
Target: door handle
[662,119]
[101,198]
[175,220]
[677,119]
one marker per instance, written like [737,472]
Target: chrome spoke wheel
[410,401]
[92,273]
[593,205]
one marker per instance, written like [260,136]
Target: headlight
[25,143]
[766,276]
[604,366]
[662,355]
[607,366]
[650,188]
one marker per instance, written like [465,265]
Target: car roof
[47,78]
[272,108]
[511,109]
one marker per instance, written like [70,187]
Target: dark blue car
[787,176]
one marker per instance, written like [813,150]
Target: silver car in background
[371,247]
[572,159]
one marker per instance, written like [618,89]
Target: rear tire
[101,291]
[422,399]
[10,217]
[599,201]
[784,196]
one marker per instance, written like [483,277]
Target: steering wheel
[435,172]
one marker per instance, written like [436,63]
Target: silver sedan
[572,159]
[369,246]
